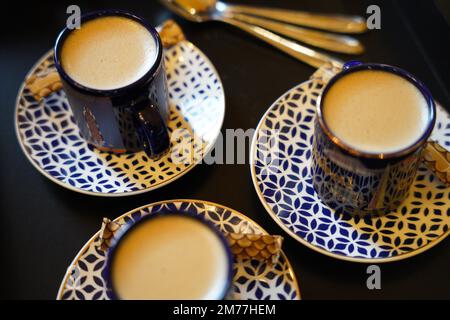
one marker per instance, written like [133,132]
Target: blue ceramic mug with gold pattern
[170,255]
[112,71]
[372,123]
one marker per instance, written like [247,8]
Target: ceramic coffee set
[67,143]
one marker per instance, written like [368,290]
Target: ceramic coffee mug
[169,255]
[350,180]
[128,118]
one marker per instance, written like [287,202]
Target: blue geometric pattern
[51,140]
[281,156]
[252,280]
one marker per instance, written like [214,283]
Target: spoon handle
[330,22]
[302,53]
[324,40]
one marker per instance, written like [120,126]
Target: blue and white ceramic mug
[129,118]
[350,180]
[169,255]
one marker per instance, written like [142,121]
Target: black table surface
[43,226]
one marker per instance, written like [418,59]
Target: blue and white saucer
[284,186]
[253,280]
[51,140]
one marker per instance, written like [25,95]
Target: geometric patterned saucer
[51,140]
[252,280]
[282,179]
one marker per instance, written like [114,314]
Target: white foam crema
[170,258]
[108,53]
[376,111]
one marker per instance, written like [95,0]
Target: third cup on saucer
[112,71]
[169,256]
[372,123]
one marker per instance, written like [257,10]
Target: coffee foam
[170,257]
[376,111]
[108,53]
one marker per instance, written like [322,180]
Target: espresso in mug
[376,111]
[108,53]
[170,257]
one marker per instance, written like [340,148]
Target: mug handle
[351,64]
[150,127]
